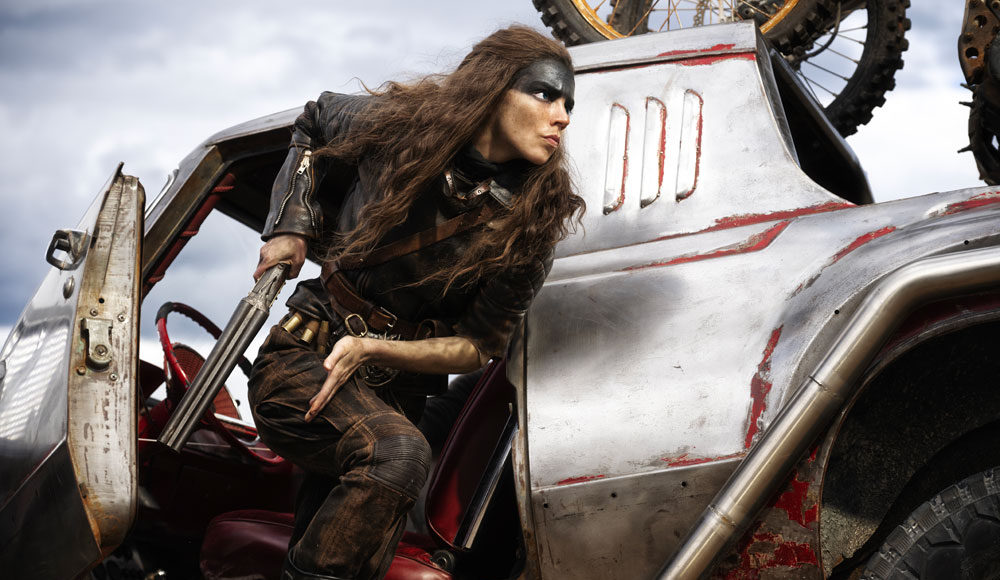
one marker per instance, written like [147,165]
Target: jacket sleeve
[294,207]
[499,306]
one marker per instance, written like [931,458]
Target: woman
[451,193]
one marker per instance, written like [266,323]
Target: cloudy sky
[85,84]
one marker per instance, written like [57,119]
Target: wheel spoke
[824,69]
[838,53]
[816,83]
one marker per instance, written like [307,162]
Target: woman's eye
[543,95]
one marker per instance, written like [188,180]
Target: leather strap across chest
[361,315]
[419,240]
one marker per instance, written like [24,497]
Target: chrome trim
[821,395]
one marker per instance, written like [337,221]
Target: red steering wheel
[182,363]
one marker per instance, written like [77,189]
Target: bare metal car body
[721,313]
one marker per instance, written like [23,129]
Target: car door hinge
[97,334]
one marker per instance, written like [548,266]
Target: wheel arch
[925,418]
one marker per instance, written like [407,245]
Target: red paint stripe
[741,220]
[988,198]
[684,460]
[760,386]
[862,240]
[754,243]
[714,59]
[580,479]
[716,48]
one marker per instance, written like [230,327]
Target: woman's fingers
[330,387]
[343,360]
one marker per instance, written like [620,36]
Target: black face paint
[550,78]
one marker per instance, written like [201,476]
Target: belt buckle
[392,317]
[364,326]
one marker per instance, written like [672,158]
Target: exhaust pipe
[821,396]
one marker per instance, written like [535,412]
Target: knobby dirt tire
[875,73]
[793,32]
[784,29]
[954,535]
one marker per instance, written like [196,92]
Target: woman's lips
[553,140]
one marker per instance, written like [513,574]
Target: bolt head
[81,370]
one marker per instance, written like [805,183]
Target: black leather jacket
[485,314]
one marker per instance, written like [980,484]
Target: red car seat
[252,543]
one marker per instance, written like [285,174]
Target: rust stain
[684,460]
[987,198]
[760,386]
[716,48]
[580,479]
[754,243]
[793,501]
[862,240]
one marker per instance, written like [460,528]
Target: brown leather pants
[365,461]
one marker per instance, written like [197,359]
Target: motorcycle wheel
[954,535]
[847,75]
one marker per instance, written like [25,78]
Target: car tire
[954,535]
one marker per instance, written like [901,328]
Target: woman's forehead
[549,73]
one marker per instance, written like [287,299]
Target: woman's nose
[560,116]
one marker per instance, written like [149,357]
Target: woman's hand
[448,355]
[288,248]
[347,356]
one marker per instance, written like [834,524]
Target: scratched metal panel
[103,381]
[673,326]
[36,472]
[668,148]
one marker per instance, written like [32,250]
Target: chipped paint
[986,198]
[684,460]
[766,550]
[760,386]
[714,59]
[581,479]
[857,243]
[612,205]
[741,220]
[754,243]
[862,240]
[794,500]
[716,48]
[661,147]
[699,128]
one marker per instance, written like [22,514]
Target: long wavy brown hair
[412,132]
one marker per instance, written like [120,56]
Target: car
[739,366]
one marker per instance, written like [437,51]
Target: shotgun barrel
[243,326]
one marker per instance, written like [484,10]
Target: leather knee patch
[401,462]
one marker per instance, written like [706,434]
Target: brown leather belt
[363,317]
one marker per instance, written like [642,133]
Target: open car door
[68,397]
